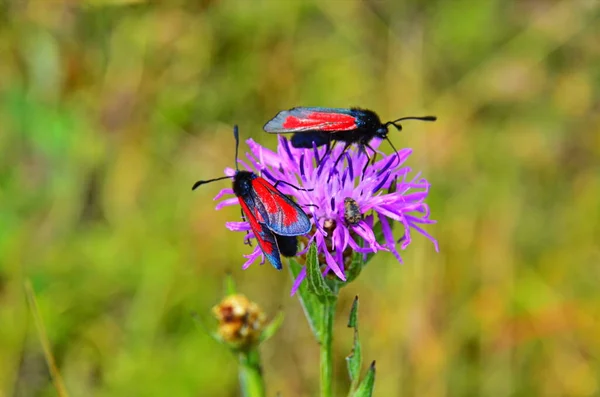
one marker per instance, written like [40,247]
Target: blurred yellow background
[110,110]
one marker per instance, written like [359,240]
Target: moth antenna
[236,135]
[209,181]
[421,118]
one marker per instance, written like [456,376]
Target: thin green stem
[251,379]
[326,347]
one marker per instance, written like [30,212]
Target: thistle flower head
[344,199]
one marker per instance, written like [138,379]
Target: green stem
[251,379]
[326,346]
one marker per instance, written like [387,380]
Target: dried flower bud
[241,321]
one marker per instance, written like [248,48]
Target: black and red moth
[321,126]
[274,218]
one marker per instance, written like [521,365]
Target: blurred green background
[109,111]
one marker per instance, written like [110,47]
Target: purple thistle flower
[385,193]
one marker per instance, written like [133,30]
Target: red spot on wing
[274,201]
[290,215]
[266,195]
[258,215]
[321,121]
[267,246]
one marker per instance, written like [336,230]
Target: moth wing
[311,119]
[265,238]
[277,211]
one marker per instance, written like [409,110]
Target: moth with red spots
[274,219]
[321,126]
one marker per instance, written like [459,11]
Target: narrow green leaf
[200,324]
[355,267]
[230,285]
[366,386]
[353,318]
[316,283]
[354,359]
[273,326]
[310,303]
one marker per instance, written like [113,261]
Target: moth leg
[246,241]
[346,146]
[369,159]
[330,146]
[374,153]
[290,185]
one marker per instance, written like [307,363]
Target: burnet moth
[274,218]
[321,126]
